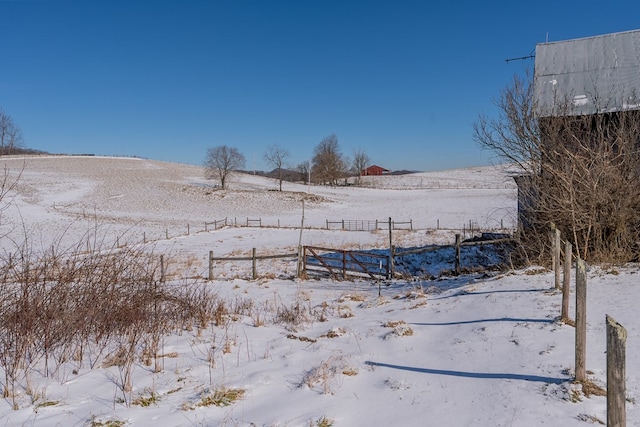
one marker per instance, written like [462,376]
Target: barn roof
[595,74]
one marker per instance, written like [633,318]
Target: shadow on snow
[479,375]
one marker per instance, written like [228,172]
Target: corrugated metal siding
[594,74]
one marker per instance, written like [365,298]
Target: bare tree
[276,157]
[360,162]
[514,135]
[329,164]
[304,169]
[10,134]
[221,161]
[580,172]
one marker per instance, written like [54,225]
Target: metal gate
[340,264]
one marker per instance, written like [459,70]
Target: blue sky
[166,79]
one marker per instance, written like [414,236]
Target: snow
[480,349]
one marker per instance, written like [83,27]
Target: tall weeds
[101,305]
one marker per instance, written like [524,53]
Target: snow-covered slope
[474,350]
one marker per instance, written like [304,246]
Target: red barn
[375,170]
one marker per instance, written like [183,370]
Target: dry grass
[590,419]
[222,396]
[334,333]
[353,297]
[151,399]
[107,305]
[300,338]
[345,312]
[377,302]
[323,422]
[535,271]
[326,374]
[95,422]
[292,316]
[399,328]
[590,388]
[350,372]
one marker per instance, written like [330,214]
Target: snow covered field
[473,350]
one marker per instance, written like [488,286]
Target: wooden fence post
[162,268]
[566,283]
[391,268]
[210,265]
[253,266]
[556,258]
[581,319]
[616,368]
[391,260]
[457,262]
[304,261]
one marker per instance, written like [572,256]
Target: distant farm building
[375,170]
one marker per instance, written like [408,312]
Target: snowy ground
[473,350]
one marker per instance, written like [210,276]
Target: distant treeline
[297,176]
[8,151]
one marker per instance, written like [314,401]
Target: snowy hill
[483,349]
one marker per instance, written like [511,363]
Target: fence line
[368,224]
[216,224]
[616,333]
[344,225]
[358,262]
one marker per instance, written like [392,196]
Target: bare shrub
[89,302]
[577,171]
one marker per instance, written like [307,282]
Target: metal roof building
[589,75]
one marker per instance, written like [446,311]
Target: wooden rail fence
[253,258]
[340,264]
[216,224]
